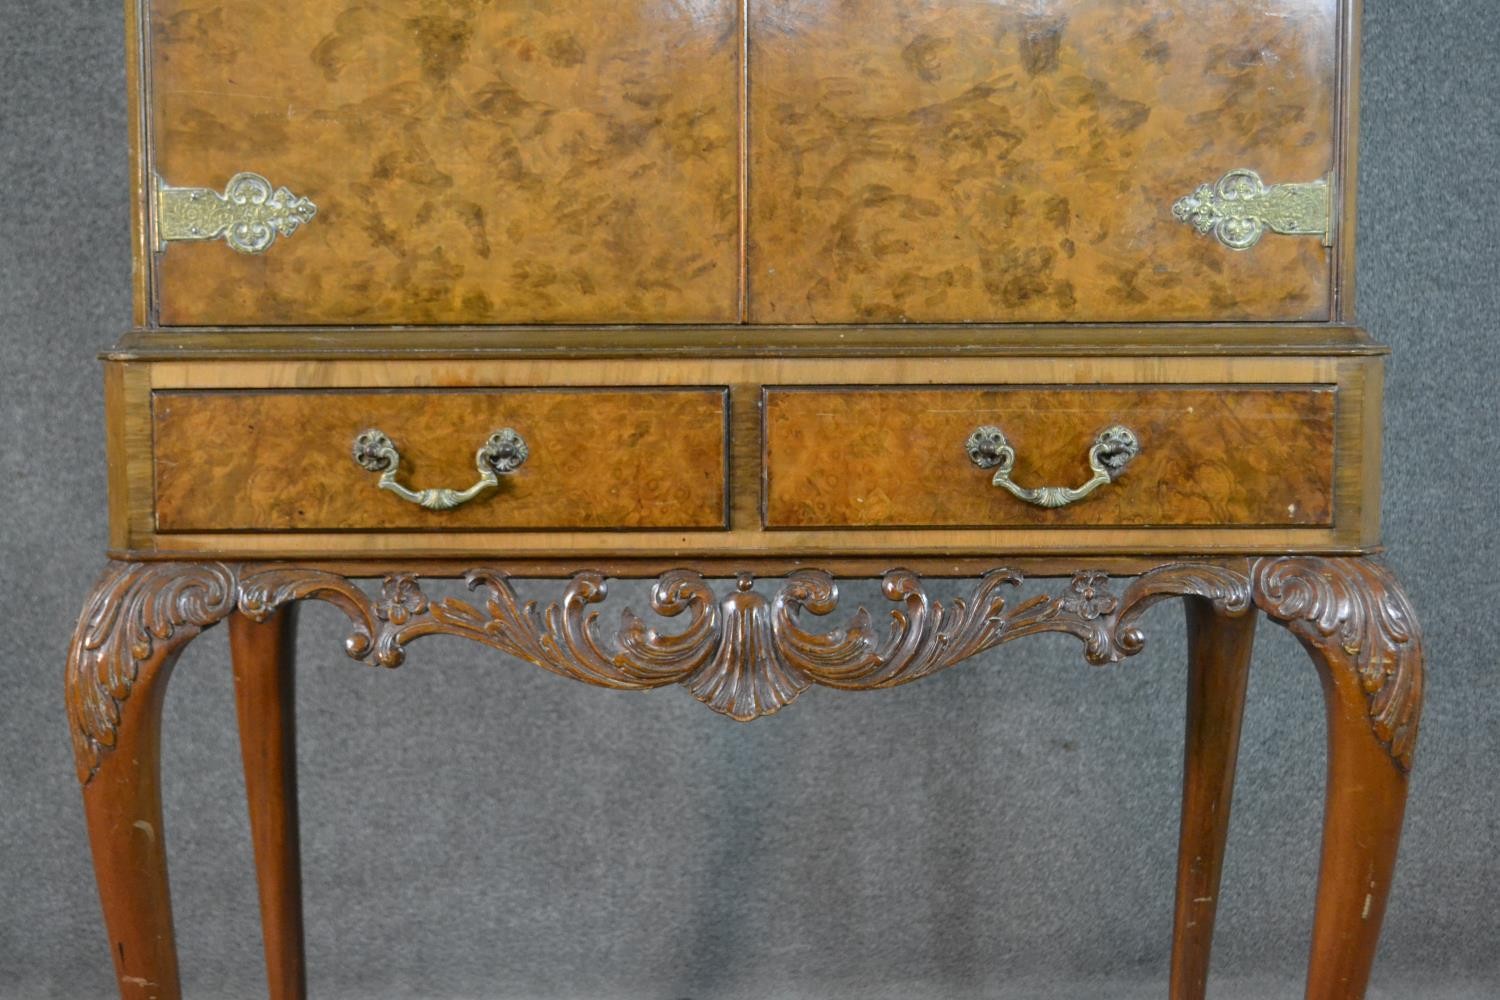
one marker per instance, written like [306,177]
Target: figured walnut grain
[895,457]
[471,163]
[280,461]
[931,161]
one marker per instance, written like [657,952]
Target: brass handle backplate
[1112,451]
[503,453]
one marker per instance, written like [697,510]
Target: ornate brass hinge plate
[1240,208]
[249,215]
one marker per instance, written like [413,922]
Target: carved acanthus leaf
[263,589]
[1353,613]
[137,613]
[744,655]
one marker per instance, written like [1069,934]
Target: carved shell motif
[745,654]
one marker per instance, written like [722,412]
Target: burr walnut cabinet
[765,291]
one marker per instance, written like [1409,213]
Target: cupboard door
[1020,160]
[470,162]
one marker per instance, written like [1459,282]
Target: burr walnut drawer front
[441,460]
[1076,456]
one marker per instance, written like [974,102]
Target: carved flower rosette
[743,653]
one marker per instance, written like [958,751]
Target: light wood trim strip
[1356,444]
[220,374]
[654,343]
[650,568]
[745,443]
[1357,454]
[1371,454]
[137,85]
[1351,16]
[749,545]
[117,474]
[127,415]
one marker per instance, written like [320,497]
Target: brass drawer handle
[503,453]
[1112,451]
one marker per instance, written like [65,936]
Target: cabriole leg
[264,697]
[1358,626]
[136,622]
[1219,647]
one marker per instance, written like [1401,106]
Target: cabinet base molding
[746,651]
[743,652]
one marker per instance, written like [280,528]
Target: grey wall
[476,828]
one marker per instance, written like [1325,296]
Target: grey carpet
[475,828]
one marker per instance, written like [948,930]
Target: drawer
[647,458]
[897,456]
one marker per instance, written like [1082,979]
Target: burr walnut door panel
[1019,160]
[596,459]
[1226,456]
[472,161]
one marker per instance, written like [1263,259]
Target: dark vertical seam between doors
[744,111]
